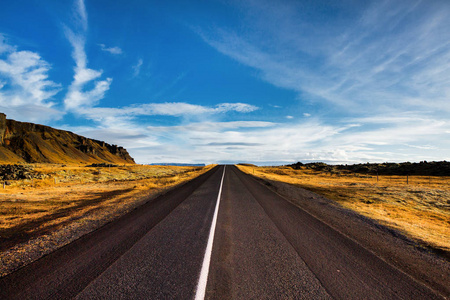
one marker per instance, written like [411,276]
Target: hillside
[22,142]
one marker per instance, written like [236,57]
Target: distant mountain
[32,143]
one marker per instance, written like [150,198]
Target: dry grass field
[418,206]
[40,215]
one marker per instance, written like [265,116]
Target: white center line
[201,287]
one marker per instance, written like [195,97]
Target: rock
[102,165]
[16,172]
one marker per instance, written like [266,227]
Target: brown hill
[33,143]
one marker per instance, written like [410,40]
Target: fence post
[407,179]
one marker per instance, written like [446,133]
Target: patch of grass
[30,208]
[418,206]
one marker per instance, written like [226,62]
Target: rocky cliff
[33,143]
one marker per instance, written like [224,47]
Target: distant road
[263,247]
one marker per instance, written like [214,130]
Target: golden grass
[73,192]
[419,209]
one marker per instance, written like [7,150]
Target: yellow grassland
[76,192]
[418,206]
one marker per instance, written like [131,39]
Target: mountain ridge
[22,142]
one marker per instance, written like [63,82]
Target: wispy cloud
[28,72]
[24,84]
[80,15]
[137,67]
[212,126]
[396,54]
[78,96]
[113,50]
[4,46]
[175,109]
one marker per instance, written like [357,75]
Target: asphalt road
[264,247]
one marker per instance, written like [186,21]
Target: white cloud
[4,46]
[124,115]
[307,115]
[137,67]
[27,74]
[24,85]
[289,117]
[424,147]
[212,126]
[31,113]
[112,50]
[239,107]
[175,109]
[80,15]
[78,97]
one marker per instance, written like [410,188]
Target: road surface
[260,247]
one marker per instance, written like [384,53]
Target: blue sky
[267,82]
